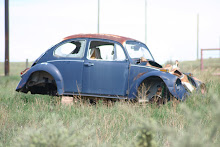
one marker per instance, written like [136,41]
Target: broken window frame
[81,50]
[142,45]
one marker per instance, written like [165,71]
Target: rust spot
[174,87]
[139,75]
[117,38]
[21,85]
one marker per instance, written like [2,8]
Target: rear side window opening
[74,49]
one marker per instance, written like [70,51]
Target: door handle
[88,64]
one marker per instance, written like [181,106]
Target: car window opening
[108,51]
[71,49]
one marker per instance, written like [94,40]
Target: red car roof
[117,38]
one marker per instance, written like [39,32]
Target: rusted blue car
[105,66]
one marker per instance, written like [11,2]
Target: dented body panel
[139,73]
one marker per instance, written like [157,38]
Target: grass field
[36,120]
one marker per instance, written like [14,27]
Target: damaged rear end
[39,82]
[41,78]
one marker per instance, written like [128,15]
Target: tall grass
[37,120]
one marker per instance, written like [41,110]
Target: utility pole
[145,21]
[197,36]
[6,38]
[98,15]
[219,46]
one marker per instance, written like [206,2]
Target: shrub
[145,137]
[52,133]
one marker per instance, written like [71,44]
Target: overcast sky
[35,25]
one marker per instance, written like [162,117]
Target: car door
[105,70]
[68,58]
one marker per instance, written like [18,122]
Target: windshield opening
[137,50]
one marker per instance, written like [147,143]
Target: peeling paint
[139,75]
[117,38]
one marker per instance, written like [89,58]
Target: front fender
[47,67]
[169,79]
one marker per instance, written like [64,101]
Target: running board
[93,95]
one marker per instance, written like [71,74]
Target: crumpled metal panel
[139,73]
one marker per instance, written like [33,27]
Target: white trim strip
[66,60]
[145,66]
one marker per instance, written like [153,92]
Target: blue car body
[94,77]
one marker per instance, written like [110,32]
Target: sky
[36,25]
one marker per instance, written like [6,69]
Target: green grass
[36,120]
[15,68]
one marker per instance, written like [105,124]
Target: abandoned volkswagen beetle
[105,66]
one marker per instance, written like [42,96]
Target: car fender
[47,67]
[167,78]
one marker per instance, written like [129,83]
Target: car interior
[101,50]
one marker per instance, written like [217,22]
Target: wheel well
[151,86]
[152,78]
[41,82]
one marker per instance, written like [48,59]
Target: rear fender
[169,79]
[47,67]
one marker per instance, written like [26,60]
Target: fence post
[26,63]
[201,63]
